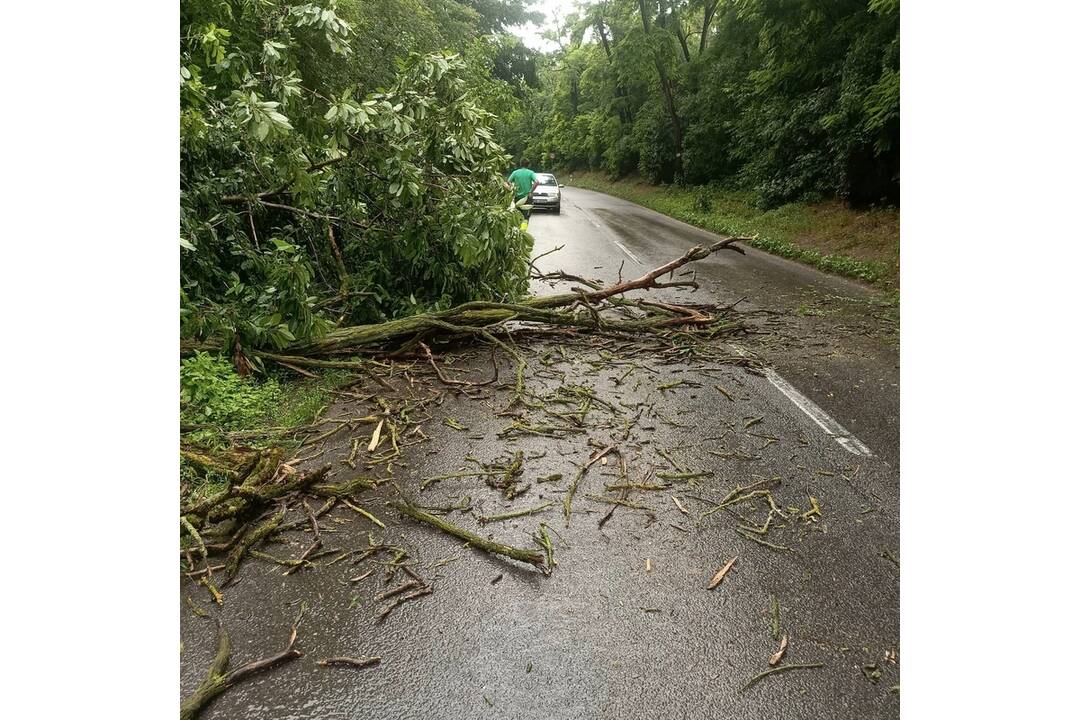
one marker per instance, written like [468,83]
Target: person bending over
[523,181]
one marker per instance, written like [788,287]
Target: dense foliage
[212,393]
[793,99]
[338,164]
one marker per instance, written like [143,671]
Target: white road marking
[813,411]
[845,439]
[602,227]
[629,254]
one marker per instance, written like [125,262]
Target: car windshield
[546,179]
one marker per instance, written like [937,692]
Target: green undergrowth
[219,409]
[862,244]
[215,401]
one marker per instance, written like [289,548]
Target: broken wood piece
[485,519]
[526,556]
[404,587]
[679,505]
[302,560]
[364,512]
[719,576]
[779,654]
[400,599]
[568,499]
[218,681]
[360,577]
[375,437]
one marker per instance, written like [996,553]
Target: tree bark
[620,92]
[669,95]
[680,33]
[710,10]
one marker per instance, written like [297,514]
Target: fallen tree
[576,309]
[261,487]
[581,309]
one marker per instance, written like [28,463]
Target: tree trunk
[620,91]
[710,10]
[602,32]
[680,33]
[669,95]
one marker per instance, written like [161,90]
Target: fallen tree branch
[526,556]
[568,499]
[218,681]
[439,373]
[479,317]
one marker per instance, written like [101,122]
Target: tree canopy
[791,98]
[338,163]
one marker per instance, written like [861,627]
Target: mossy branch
[526,556]
[218,681]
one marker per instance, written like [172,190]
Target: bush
[655,143]
[212,393]
[702,199]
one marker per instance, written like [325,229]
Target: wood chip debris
[375,437]
[648,564]
[719,576]
[779,654]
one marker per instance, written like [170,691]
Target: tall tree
[666,88]
[706,21]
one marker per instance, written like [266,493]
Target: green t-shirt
[522,179]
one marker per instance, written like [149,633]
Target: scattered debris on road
[721,573]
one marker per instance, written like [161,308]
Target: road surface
[831,337]
[624,627]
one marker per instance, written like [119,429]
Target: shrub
[211,392]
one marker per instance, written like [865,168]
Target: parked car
[547,194]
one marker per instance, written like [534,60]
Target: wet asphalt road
[831,338]
[602,636]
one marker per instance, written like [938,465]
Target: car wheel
[558,208]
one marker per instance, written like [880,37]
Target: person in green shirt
[523,181]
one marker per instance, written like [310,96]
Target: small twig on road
[350,662]
[782,668]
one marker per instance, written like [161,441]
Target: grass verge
[862,244]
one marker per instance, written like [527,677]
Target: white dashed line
[812,410]
[602,227]
[629,254]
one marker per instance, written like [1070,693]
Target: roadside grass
[216,401]
[219,407]
[862,244]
